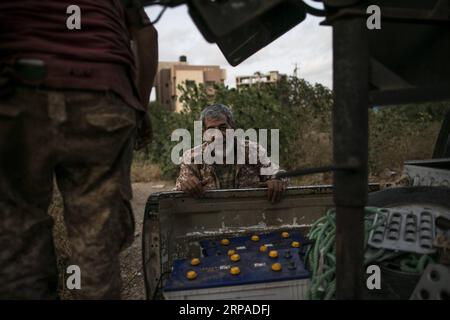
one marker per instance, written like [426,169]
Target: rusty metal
[434,172]
[403,96]
[307,171]
[350,133]
[392,14]
[411,65]
[442,145]
[442,243]
[434,284]
[174,222]
[361,57]
[151,248]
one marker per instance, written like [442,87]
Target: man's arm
[188,181]
[268,170]
[146,52]
[145,47]
[185,174]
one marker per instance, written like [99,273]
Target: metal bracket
[384,78]
[405,15]
[434,284]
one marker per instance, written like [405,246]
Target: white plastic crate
[276,290]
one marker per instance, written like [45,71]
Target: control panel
[251,259]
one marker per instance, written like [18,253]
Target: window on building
[190,83]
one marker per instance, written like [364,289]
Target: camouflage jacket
[246,175]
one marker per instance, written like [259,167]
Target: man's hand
[144,133]
[193,186]
[275,189]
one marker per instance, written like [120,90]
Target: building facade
[172,74]
[259,78]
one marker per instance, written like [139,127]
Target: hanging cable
[160,15]
[313,11]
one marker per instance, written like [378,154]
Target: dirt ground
[131,259]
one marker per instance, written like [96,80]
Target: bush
[402,133]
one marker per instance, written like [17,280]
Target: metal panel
[350,145]
[174,223]
[427,176]
[434,284]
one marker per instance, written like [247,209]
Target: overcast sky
[307,44]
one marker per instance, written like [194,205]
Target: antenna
[296,70]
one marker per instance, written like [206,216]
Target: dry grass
[386,155]
[144,171]
[392,152]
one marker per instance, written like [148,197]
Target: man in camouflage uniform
[195,178]
[71,103]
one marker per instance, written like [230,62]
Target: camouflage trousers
[85,140]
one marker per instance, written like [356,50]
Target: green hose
[323,232]
[414,263]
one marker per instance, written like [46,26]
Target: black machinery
[405,61]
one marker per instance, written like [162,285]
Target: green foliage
[400,133]
[302,113]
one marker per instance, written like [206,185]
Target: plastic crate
[278,290]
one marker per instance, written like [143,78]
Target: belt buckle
[33,70]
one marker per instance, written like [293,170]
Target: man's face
[220,124]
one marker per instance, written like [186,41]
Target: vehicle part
[404,230]
[261,276]
[434,284]
[430,173]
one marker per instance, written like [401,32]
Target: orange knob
[235,257]
[276,267]
[195,262]
[191,275]
[235,271]
[273,254]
